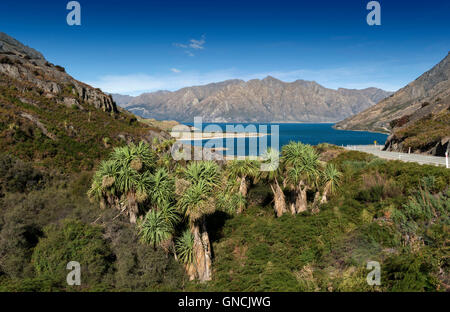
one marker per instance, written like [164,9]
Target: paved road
[418,158]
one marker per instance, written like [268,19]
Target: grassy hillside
[77,135]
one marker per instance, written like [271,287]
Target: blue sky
[133,46]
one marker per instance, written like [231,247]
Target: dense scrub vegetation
[388,211]
[44,223]
[426,132]
[340,210]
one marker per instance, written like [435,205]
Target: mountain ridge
[256,100]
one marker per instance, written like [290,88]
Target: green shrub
[374,194]
[45,284]
[421,210]
[18,176]
[409,272]
[73,241]
[139,267]
[260,194]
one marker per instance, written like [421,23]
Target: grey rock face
[266,100]
[9,44]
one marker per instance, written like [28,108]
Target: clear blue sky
[134,46]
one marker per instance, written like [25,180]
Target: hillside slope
[49,117]
[256,100]
[417,116]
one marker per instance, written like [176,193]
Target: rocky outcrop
[427,94]
[395,143]
[417,116]
[441,147]
[20,62]
[39,124]
[266,100]
[11,45]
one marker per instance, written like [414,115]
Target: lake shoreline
[307,133]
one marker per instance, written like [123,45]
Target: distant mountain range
[417,116]
[266,100]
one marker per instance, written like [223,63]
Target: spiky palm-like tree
[184,246]
[125,177]
[272,173]
[126,182]
[103,188]
[239,201]
[155,228]
[139,157]
[292,153]
[242,170]
[331,177]
[229,201]
[162,188]
[170,213]
[207,171]
[158,226]
[196,202]
[302,171]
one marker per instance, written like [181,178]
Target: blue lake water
[309,133]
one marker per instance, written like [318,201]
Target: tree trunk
[292,208]
[102,203]
[132,207]
[190,270]
[301,202]
[202,253]
[117,203]
[197,251]
[324,195]
[207,247]
[316,197]
[112,201]
[174,250]
[279,199]
[243,188]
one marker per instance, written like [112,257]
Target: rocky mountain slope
[256,100]
[49,117]
[417,116]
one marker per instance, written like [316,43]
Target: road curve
[417,158]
